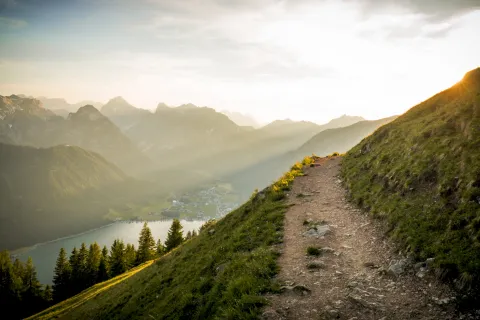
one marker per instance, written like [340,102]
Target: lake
[45,255]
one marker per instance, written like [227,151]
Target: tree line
[22,294]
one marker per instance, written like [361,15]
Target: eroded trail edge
[356,273]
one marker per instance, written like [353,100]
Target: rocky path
[353,270]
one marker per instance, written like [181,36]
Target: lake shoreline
[23,250]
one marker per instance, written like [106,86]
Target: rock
[370,265]
[358,300]
[429,262]
[352,284]
[333,314]
[317,231]
[297,290]
[211,231]
[327,250]
[419,266]
[397,267]
[421,273]
[443,301]
[289,283]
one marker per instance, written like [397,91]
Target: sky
[274,59]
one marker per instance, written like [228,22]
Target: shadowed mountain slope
[49,193]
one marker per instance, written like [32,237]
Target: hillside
[90,129]
[341,139]
[421,173]
[340,122]
[222,273]
[174,133]
[54,192]
[244,120]
[25,121]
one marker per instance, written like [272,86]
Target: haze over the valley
[303,60]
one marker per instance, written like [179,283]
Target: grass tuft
[313,251]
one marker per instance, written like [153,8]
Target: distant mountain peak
[119,106]
[118,100]
[87,111]
[162,106]
[188,105]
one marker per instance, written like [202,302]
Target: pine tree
[32,289]
[130,256]
[61,278]
[75,260]
[194,233]
[104,267]
[48,295]
[188,236]
[10,284]
[160,248]
[118,264]
[18,268]
[175,235]
[146,245]
[93,263]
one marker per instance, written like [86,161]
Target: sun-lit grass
[64,307]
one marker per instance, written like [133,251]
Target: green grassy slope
[422,173]
[221,274]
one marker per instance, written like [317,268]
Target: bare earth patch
[356,273]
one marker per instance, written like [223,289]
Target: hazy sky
[298,59]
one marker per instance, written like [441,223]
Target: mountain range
[171,149]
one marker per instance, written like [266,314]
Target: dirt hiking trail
[357,273]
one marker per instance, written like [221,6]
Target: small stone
[317,231]
[370,265]
[327,250]
[352,284]
[358,300]
[346,247]
[297,290]
[289,283]
[397,267]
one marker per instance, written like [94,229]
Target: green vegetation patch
[313,251]
[222,273]
[422,174]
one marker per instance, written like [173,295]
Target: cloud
[10,23]
[433,10]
